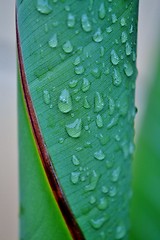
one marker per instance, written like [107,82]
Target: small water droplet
[73,83]
[115,174]
[109,163]
[128,49]
[103,204]
[86,103]
[67,47]
[71,20]
[75,177]
[99,121]
[128,69]
[92,200]
[96,72]
[79,70]
[101,51]
[102,11]
[116,77]
[114,18]
[46,27]
[83,178]
[85,84]
[112,191]
[43,7]
[134,56]
[98,222]
[53,42]
[86,26]
[103,139]
[114,57]
[120,231]
[77,61]
[93,182]
[99,155]
[109,29]
[74,129]
[46,97]
[61,140]
[113,122]
[124,37]
[67,8]
[104,189]
[111,105]
[75,160]
[98,37]
[65,102]
[123,22]
[98,102]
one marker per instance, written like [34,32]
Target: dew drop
[115,174]
[102,11]
[85,84]
[123,22]
[93,182]
[114,18]
[73,83]
[92,200]
[120,231]
[99,155]
[96,72]
[104,189]
[98,102]
[114,57]
[61,140]
[86,26]
[109,29]
[67,47]
[103,204]
[98,37]
[98,222]
[71,20]
[53,42]
[128,69]
[65,102]
[77,61]
[103,139]
[43,7]
[113,122]
[75,177]
[99,121]
[86,103]
[124,37]
[116,77]
[46,97]
[79,70]
[109,163]
[128,49]
[111,105]
[75,160]
[112,191]
[74,129]
[101,51]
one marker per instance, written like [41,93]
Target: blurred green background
[146,201]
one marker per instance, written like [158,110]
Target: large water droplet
[102,11]
[85,84]
[71,20]
[128,69]
[75,177]
[93,182]
[75,160]
[120,231]
[43,7]
[46,97]
[98,102]
[114,57]
[99,121]
[98,223]
[86,103]
[67,47]
[79,70]
[116,77]
[53,42]
[99,155]
[74,129]
[98,37]
[65,102]
[86,26]
[103,203]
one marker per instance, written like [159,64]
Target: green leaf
[78,74]
[146,198]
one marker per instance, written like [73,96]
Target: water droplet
[101,51]
[98,37]
[74,129]
[115,174]
[75,160]
[75,177]
[128,49]
[92,200]
[116,77]
[128,69]
[43,7]
[113,122]
[124,37]
[109,29]
[111,105]
[86,103]
[99,121]
[96,72]
[86,26]
[98,102]
[79,70]
[122,104]
[78,98]
[61,140]
[73,83]
[71,20]
[67,47]
[134,56]
[53,42]
[131,29]
[102,235]
[102,11]
[114,18]
[98,223]
[46,27]
[85,84]
[77,61]
[93,182]
[103,139]
[99,155]
[112,191]
[104,189]
[83,178]
[114,57]
[65,102]
[120,231]
[103,204]
[67,8]
[123,22]
[46,97]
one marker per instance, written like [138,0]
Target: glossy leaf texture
[78,67]
[146,198]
